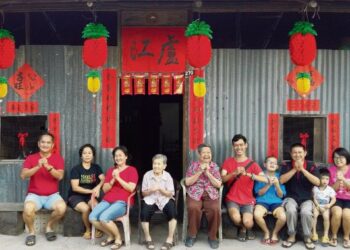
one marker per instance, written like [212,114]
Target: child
[158,193]
[324,199]
[269,199]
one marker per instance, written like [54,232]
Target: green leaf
[303,75]
[3,80]
[303,28]
[199,28]
[93,73]
[6,34]
[199,80]
[95,30]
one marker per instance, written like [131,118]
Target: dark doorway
[150,125]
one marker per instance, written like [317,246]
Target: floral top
[196,190]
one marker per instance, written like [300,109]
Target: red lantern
[7,49]
[198,35]
[95,46]
[302,43]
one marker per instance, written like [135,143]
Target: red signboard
[196,119]
[333,134]
[273,134]
[303,105]
[26,81]
[109,108]
[155,49]
[22,107]
[54,128]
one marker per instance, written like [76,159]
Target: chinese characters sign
[26,81]
[272,134]
[153,49]
[196,119]
[303,105]
[333,134]
[22,107]
[54,128]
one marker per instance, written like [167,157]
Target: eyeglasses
[336,158]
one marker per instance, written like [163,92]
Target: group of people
[297,188]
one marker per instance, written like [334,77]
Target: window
[19,135]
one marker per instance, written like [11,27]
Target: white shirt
[323,197]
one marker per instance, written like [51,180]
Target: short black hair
[268,157]
[238,137]
[324,172]
[88,145]
[48,134]
[203,145]
[342,152]
[121,148]
[297,145]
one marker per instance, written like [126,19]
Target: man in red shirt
[242,172]
[44,169]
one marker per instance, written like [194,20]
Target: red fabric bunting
[153,84]
[139,85]
[54,128]
[126,87]
[179,84]
[333,134]
[22,107]
[196,119]
[109,108]
[272,134]
[167,85]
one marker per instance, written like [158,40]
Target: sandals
[87,235]
[288,243]
[346,243]
[250,235]
[30,240]
[116,246]
[106,242]
[242,236]
[166,246]
[98,233]
[50,236]
[266,241]
[274,242]
[149,244]
[309,244]
[333,242]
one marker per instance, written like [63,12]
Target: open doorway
[152,124]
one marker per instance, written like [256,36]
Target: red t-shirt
[42,182]
[242,190]
[117,192]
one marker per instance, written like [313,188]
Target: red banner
[155,49]
[126,88]
[303,105]
[272,134]
[139,85]
[179,84]
[196,119]
[167,85]
[153,84]
[109,108]
[333,134]
[22,107]
[26,81]
[54,128]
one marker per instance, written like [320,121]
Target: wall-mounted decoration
[167,84]
[273,134]
[139,85]
[126,84]
[3,88]
[303,105]
[13,107]
[179,81]
[153,84]
[333,134]
[7,49]
[54,128]
[93,82]
[199,88]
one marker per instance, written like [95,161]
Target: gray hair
[203,145]
[160,157]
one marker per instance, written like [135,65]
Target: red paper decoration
[139,85]
[126,87]
[7,49]
[153,84]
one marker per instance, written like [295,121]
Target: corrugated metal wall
[243,87]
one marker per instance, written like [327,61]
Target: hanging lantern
[93,82]
[95,45]
[199,88]
[3,88]
[198,35]
[303,83]
[302,43]
[7,49]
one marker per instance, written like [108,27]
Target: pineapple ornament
[199,88]
[93,82]
[7,49]
[303,84]
[3,88]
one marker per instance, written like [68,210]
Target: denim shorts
[270,207]
[105,211]
[241,208]
[42,201]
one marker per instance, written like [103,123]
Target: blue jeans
[105,211]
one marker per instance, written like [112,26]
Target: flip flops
[346,243]
[266,241]
[333,242]
[149,244]
[115,246]
[106,242]
[50,236]
[166,246]
[309,245]
[30,240]
[288,243]
[242,236]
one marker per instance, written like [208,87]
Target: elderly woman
[86,179]
[121,180]
[158,193]
[203,181]
[340,181]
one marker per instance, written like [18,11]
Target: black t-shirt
[88,178]
[299,187]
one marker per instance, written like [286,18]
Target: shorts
[75,199]
[342,203]
[42,201]
[241,208]
[269,207]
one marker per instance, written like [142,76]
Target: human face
[205,155]
[120,158]
[339,160]
[298,154]
[271,164]
[45,144]
[324,181]
[158,166]
[87,155]
[239,148]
